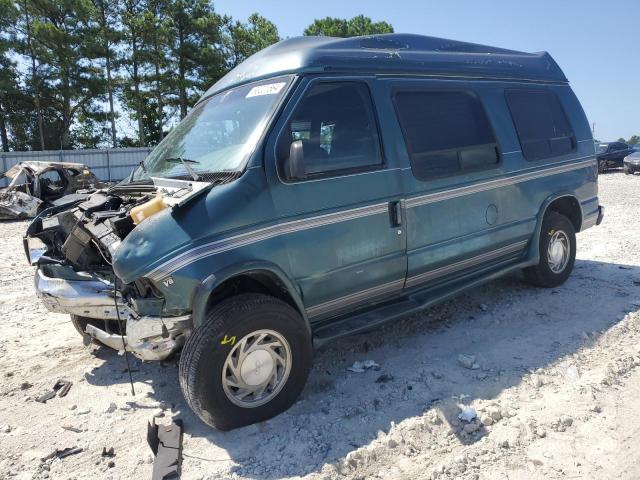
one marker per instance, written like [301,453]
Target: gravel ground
[554,383]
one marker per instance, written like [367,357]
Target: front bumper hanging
[147,337]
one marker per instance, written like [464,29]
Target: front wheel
[557,248]
[247,362]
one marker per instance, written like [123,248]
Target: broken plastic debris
[467,414]
[65,452]
[359,367]
[61,388]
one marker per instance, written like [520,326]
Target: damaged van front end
[102,257]
[77,249]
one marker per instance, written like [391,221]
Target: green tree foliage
[340,27]
[66,80]
[194,48]
[243,40]
[634,140]
[96,73]
[8,74]
[107,36]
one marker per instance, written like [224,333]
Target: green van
[321,188]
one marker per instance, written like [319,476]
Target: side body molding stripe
[355,298]
[396,285]
[248,238]
[467,263]
[500,182]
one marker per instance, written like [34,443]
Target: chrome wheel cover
[558,251]
[256,368]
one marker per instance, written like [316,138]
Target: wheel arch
[256,277]
[565,203]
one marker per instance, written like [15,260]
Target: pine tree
[8,77]
[245,39]
[108,35]
[60,29]
[133,28]
[194,32]
[29,49]
[340,27]
[154,52]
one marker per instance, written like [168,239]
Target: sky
[596,43]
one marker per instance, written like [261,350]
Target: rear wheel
[557,248]
[247,362]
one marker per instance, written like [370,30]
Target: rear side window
[445,132]
[336,124]
[541,123]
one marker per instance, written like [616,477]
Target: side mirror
[294,165]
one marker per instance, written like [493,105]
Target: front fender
[212,282]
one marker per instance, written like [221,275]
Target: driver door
[351,252]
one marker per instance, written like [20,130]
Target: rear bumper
[593,219]
[600,215]
[147,337]
[632,167]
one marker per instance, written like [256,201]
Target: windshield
[601,148]
[217,136]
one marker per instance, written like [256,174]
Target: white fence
[112,164]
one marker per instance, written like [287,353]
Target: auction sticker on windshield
[268,89]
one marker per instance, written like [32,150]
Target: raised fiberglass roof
[391,54]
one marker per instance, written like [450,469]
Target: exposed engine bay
[73,243]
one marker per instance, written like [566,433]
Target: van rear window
[541,123]
[446,132]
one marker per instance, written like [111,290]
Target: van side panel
[472,220]
[349,253]
[456,223]
[574,174]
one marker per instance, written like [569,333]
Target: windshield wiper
[141,165]
[185,162]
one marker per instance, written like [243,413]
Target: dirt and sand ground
[555,385]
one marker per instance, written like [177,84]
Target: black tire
[205,352]
[626,170]
[541,274]
[602,166]
[80,324]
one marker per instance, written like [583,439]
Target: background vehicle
[35,185]
[632,161]
[611,155]
[321,188]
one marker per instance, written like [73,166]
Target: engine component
[100,202]
[153,206]
[79,250]
[104,234]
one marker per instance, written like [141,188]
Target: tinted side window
[446,132]
[336,125]
[541,123]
